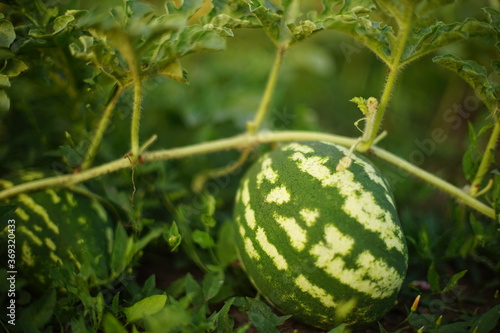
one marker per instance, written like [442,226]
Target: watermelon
[320,243]
[56,228]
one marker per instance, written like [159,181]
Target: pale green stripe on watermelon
[39,210]
[297,234]
[372,276]
[34,238]
[27,255]
[55,258]
[319,293]
[359,203]
[50,244]
[250,249]
[267,173]
[74,259]
[70,199]
[53,195]
[278,195]
[22,214]
[310,216]
[294,146]
[81,220]
[271,250]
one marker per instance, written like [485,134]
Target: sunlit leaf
[60,23]
[474,74]
[145,307]
[14,67]
[7,33]
[493,17]
[375,35]
[4,81]
[454,281]
[112,325]
[430,36]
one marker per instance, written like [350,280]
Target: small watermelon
[55,227]
[319,243]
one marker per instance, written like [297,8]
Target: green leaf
[487,322]
[112,325]
[261,315]
[377,36]
[194,292]
[203,239]
[7,33]
[122,247]
[171,319]
[174,238]
[4,102]
[225,241]
[270,21]
[493,17]
[13,68]
[454,280]
[208,220]
[428,36]
[174,71]
[223,321]
[212,282]
[339,329]
[474,74]
[433,278]
[145,307]
[39,312]
[60,24]
[4,81]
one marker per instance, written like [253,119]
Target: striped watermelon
[322,245]
[56,227]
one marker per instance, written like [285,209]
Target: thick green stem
[486,160]
[129,54]
[245,141]
[103,124]
[254,126]
[136,118]
[394,68]
[441,184]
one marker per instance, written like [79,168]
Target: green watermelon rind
[309,236]
[59,227]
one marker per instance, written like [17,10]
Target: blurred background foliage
[57,103]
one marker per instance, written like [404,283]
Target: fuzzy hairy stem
[245,141]
[394,68]
[254,125]
[103,124]
[485,160]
